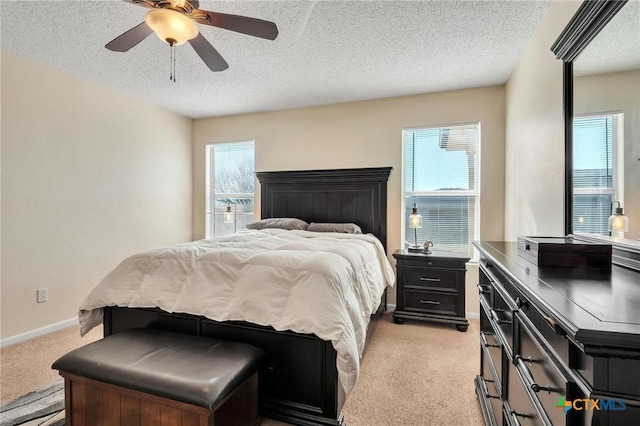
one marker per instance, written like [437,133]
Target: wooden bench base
[89,402]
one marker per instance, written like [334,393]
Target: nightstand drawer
[417,301]
[430,277]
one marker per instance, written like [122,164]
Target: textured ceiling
[616,47]
[326,51]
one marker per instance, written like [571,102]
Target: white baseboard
[38,332]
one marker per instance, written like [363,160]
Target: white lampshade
[171,26]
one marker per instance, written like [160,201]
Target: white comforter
[327,284]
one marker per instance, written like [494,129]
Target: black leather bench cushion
[196,370]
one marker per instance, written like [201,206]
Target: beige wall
[86,171]
[618,92]
[534,168]
[88,177]
[363,134]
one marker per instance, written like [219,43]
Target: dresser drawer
[492,275]
[522,409]
[492,396]
[430,277]
[492,357]
[501,315]
[552,333]
[542,377]
[428,302]
[485,288]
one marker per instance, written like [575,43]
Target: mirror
[606,126]
[602,115]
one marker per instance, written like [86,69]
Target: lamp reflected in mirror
[618,222]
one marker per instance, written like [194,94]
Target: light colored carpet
[417,373]
[26,366]
[412,374]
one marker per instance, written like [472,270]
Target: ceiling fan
[176,22]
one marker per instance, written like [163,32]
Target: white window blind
[229,184]
[597,170]
[440,177]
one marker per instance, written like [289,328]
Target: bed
[299,383]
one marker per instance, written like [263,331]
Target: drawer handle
[537,388]
[482,289]
[497,319]
[487,394]
[437,280]
[485,343]
[522,360]
[429,302]
[515,415]
[520,302]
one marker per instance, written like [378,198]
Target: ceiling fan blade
[208,53]
[241,24]
[126,41]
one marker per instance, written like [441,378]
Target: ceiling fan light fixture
[171,26]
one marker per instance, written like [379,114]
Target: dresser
[431,287]
[558,346]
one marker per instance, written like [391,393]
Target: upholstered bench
[154,377]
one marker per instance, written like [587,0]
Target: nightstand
[431,287]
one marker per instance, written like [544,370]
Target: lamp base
[418,250]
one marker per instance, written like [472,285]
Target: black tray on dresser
[565,252]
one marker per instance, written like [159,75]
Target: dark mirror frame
[590,18]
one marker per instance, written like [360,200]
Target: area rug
[43,407]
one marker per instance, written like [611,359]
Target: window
[441,178]
[230,183]
[597,170]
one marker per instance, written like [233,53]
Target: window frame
[473,253]
[616,191]
[210,230]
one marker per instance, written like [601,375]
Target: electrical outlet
[42,295]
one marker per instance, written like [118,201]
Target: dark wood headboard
[337,195]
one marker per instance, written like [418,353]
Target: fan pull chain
[172,75]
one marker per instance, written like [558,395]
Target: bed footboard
[298,384]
